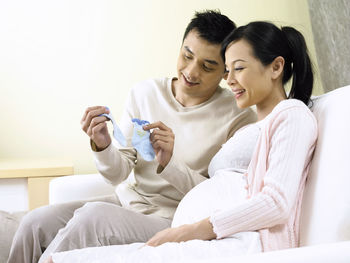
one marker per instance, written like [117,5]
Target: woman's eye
[238,68]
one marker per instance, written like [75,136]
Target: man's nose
[192,72]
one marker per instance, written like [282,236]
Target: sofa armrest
[338,252]
[78,187]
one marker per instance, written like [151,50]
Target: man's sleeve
[116,162]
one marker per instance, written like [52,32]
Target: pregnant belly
[224,190]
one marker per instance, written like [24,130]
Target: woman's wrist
[203,230]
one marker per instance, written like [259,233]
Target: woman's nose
[231,80]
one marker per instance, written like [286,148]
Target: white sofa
[325,221]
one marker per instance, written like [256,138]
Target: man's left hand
[162,139]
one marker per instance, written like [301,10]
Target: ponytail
[301,67]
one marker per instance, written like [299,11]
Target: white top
[237,152]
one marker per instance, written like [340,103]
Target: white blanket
[222,191]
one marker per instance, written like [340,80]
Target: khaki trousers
[80,224]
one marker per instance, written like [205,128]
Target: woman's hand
[162,139]
[95,126]
[49,260]
[202,230]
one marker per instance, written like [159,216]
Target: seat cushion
[326,206]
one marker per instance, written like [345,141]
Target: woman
[252,201]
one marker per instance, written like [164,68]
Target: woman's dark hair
[269,42]
[211,26]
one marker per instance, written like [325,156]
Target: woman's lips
[238,92]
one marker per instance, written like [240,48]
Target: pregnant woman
[252,201]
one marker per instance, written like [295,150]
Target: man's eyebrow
[213,62]
[188,50]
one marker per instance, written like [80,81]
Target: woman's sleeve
[293,134]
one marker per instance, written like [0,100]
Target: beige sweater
[199,133]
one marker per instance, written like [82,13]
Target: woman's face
[248,78]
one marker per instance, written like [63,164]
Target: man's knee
[36,219]
[90,215]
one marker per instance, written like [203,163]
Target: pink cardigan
[276,179]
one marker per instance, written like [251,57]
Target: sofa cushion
[325,213]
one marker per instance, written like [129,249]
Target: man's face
[200,67]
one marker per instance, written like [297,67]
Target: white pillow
[325,215]
[223,190]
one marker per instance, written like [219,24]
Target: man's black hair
[211,26]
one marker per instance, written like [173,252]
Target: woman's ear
[277,66]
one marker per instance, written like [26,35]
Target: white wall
[58,57]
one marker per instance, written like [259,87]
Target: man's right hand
[95,126]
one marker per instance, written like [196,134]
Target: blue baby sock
[117,133]
[141,141]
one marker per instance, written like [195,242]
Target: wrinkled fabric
[117,133]
[140,139]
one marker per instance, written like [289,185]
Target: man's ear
[277,67]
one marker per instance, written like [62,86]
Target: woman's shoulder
[292,112]
[291,108]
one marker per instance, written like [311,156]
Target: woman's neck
[264,108]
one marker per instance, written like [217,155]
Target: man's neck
[187,99]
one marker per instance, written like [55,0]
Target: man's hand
[95,126]
[202,230]
[162,139]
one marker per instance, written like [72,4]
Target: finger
[93,131]
[87,110]
[93,108]
[91,115]
[89,125]
[162,132]
[97,120]
[160,125]
[152,243]
[162,145]
[157,137]
[168,134]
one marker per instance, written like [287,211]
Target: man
[190,116]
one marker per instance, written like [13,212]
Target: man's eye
[206,68]
[187,57]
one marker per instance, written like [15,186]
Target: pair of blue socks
[140,139]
